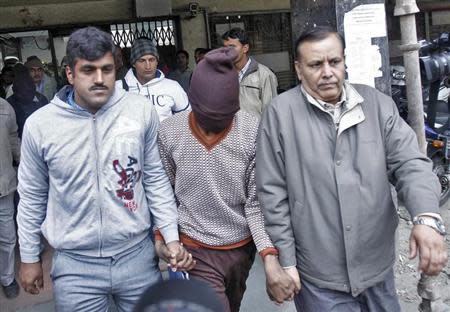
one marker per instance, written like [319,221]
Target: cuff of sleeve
[169,233]
[287,260]
[430,214]
[268,251]
[29,257]
[158,236]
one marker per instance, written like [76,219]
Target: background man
[199,54]
[6,80]
[209,156]
[182,73]
[45,84]
[89,177]
[25,99]
[258,84]
[144,78]
[327,151]
[9,153]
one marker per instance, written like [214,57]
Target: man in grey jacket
[9,153]
[327,151]
[257,83]
[89,179]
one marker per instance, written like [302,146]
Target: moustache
[98,87]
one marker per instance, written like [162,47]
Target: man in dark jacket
[25,100]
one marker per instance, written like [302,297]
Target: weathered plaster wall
[235,5]
[18,14]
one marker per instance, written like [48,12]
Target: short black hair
[183,52]
[317,33]
[236,33]
[7,68]
[200,51]
[89,43]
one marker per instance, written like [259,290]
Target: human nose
[98,76]
[327,72]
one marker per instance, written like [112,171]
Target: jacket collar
[132,81]
[61,100]
[251,68]
[352,114]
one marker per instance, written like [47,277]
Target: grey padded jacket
[325,192]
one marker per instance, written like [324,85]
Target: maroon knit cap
[214,89]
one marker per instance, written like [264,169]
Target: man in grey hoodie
[89,178]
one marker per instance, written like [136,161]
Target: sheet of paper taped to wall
[363,59]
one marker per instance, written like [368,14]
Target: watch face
[441,227]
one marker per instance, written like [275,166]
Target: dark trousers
[381,297]
[226,271]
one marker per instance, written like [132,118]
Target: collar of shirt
[244,69]
[40,86]
[71,100]
[349,99]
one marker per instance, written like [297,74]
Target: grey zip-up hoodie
[89,181]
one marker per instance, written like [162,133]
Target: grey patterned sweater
[215,188]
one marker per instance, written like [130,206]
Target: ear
[245,48]
[298,70]
[69,74]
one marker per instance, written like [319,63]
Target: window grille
[162,32]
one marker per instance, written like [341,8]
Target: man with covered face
[209,156]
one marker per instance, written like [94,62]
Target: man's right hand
[31,277]
[293,273]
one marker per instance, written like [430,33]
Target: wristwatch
[434,223]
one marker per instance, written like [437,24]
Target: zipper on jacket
[98,184]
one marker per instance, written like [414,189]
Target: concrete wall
[19,14]
[235,5]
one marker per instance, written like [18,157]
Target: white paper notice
[363,59]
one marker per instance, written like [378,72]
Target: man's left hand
[431,248]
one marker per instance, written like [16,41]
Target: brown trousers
[226,271]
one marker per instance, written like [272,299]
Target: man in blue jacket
[89,179]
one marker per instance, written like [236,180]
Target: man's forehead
[327,47]
[232,41]
[104,60]
[147,57]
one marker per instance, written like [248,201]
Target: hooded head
[214,90]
